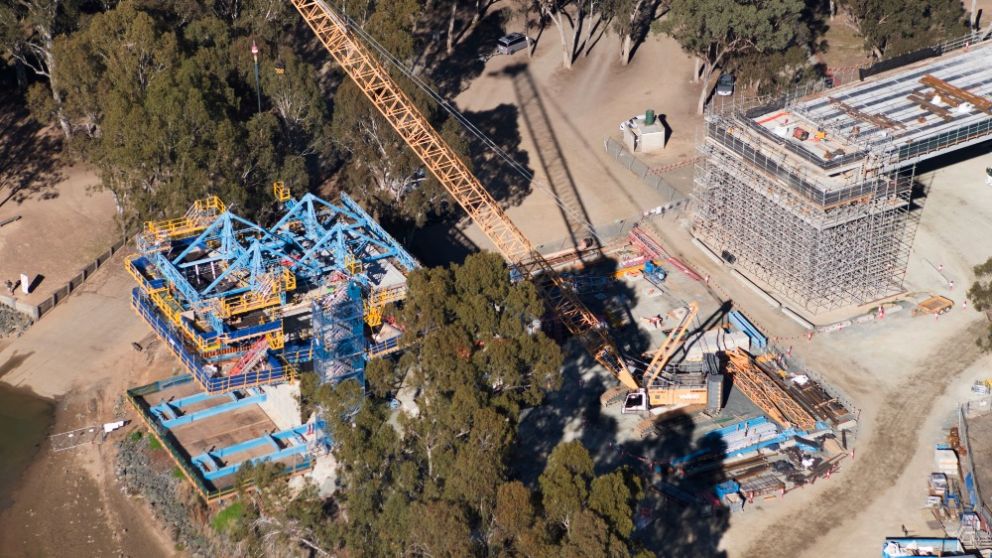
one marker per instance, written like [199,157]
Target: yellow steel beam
[766,393]
[387,97]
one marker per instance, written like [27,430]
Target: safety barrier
[36,311]
[196,365]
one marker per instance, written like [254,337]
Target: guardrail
[179,457]
[195,364]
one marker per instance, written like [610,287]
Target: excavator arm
[397,108]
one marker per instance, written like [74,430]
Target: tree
[631,21]
[165,104]
[565,482]
[28,29]
[891,27]
[980,295]
[717,31]
[382,171]
[458,12]
[570,18]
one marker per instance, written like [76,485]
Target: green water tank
[649,117]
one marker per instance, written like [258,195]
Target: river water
[24,422]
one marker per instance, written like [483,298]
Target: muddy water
[24,422]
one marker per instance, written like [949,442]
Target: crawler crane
[383,92]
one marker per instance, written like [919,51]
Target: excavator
[356,60]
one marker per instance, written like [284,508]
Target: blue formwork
[339,335]
[223,462]
[194,363]
[233,404]
[758,339]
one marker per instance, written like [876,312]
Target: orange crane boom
[397,108]
[669,346]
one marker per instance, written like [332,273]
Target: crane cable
[467,124]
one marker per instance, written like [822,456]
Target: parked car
[509,44]
[725,85]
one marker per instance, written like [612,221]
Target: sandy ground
[65,222]
[906,374]
[81,355]
[583,106]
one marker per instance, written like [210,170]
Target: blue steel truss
[233,256]
[331,233]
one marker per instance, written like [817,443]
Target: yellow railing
[352,265]
[280,191]
[288,280]
[276,339]
[197,217]
[211,204]
[377,301]
[270,294]
[168,305]
[373,314]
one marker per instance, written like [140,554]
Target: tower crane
[454,175]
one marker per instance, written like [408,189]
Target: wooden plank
[950,92]
[930,107]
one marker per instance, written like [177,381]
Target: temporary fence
[973,409]
[673,199]
[209,493]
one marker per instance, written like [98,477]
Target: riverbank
[69,503]
[25,420]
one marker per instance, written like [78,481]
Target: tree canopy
[436,480]
[891,27]
[980,295]
[718,31]
[161,98]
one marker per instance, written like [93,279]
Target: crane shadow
[552,160]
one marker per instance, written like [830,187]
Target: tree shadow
[453,73]
[508,186]
[642,27]
[574,411]
[679,515]
[680,502]
[440,244]
[26,154]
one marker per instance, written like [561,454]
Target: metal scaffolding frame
[827,232]
[339,335]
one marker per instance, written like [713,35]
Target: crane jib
[461,184]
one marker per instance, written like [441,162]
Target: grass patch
[136,435]
[177,472]
[228,517]
[153,443]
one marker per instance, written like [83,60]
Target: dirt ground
[64,221]
[582,107]
[81,355]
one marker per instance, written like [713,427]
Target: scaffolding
[810,193]
[339,335]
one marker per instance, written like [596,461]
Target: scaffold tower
[810,194]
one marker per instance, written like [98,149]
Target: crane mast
[397,108]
